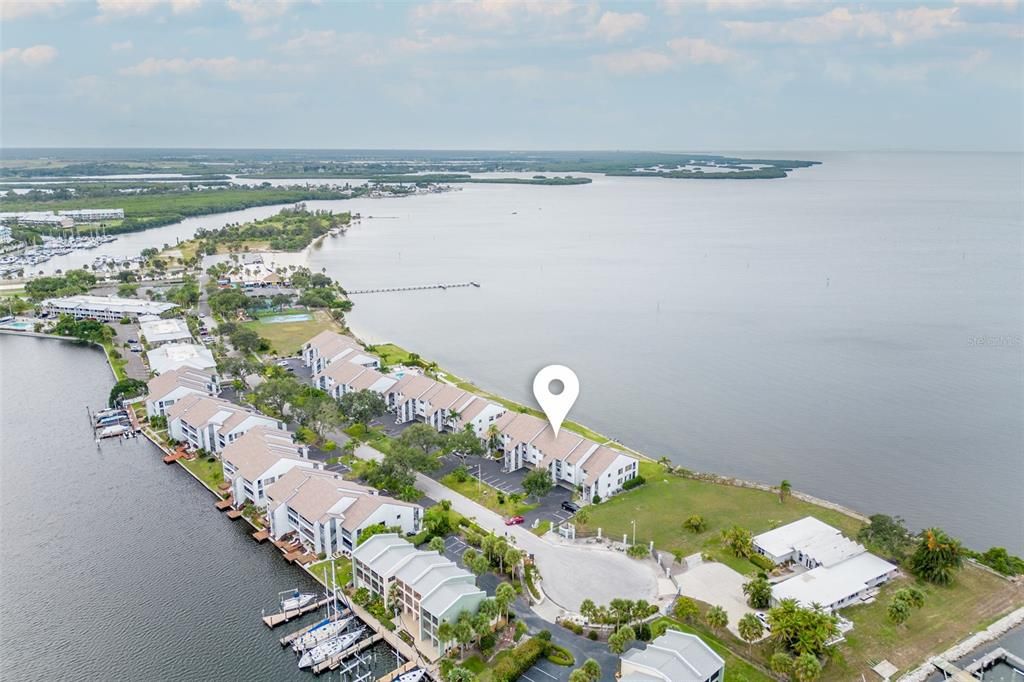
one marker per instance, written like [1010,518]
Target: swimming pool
[276,319]
[18,326]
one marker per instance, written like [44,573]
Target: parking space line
[541,670]
[526,677]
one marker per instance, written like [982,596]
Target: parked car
[514,521]
[570,506]
[282,363]
[764,621]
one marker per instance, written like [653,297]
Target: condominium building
[158,331]
[573,461]
[327,512]
[212,424]
[103,308]
[258,459]
[429,588]
[328,347]
[41,218]
[91,215]
[177,355]
[672,657]
[171,386]
[340,378]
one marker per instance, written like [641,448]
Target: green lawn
[210,473]
[286,338]
[736,669]
[665,501]
[342,571]
[949,614]
[486,495]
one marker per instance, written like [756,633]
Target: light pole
[634,531]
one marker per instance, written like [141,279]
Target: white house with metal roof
[672,657]
[327,513]
[177,355]
[157,331]
[259,458]
[840,571]
[429,588]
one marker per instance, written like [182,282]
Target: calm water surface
[855,328]
[114,565]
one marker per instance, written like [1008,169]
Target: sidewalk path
[570,574]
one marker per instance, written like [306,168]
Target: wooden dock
[405,667]
[419,287]
[224,504]
[261,535]
[172,458]
[335,661]
[234,514]
[952,672]
[289,638]
[275,619]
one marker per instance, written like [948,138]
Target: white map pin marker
[556,405]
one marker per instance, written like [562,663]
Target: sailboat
[331,647]
[297,600]
[323,631]
[414,675]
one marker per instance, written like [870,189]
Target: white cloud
[615,25]
[223,68]
[975,59]
[492,14]
[255,11]
[122,46]
[16,9]
[898,27]
[423,43]
[755,5]
[321,41]
[634,61]
[116,9]
[37,55]
[520,75]
[700,51]
[673,7]
[1006,5]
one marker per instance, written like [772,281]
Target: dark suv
[570,506]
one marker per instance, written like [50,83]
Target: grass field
[949,614]
[665,501]
[342,571]
[210,473]
[286,338]
[486,495]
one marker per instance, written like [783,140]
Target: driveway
[570,573]
[716,584]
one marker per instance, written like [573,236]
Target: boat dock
[421,287]
[405,667]
[288,639]
[335,661]
[275,619]
[261,535]
[952,672]
[224,504]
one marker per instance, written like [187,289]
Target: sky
[665,75]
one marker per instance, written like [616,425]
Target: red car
[514,521]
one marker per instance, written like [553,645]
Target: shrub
[762,562]
[487,642]
[422,537]
[520,631]
[545,635]
[634,482]
[559,655]
[125,320]
[330,446]
[501,498]
[460,474]
[519,660]
[596,499]
[637,551]
[592,635]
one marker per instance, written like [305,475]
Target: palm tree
[750,629]
[588,609]
[504,595]
[445,632]
[807,668]
[716,618]
[785,488]
[492,436]
[592,669]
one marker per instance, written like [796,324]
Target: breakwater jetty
[418,287]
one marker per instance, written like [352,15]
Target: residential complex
[328,347]
[259,458]
[166,389]
[574,461]
[40,218]
[177,355]
[211,423]
[834,571]
[103,308]
[158,331]
[672,657]
[327,513]
[430,589]
[91,215]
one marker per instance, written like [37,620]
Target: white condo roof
[158,331]
[131,306]
[674,656]
[177,355]
[827,585]
[818,540]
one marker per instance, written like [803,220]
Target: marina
[50,247]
